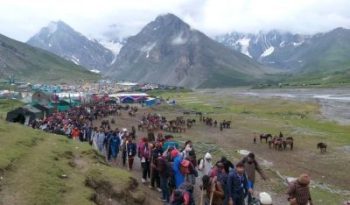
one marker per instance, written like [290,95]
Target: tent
[24,115]
[45,109]
[62,105]
[128,100]
[151,102]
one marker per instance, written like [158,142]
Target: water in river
[335,103]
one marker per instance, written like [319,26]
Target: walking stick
[202,190]
[211,197]
[212,190]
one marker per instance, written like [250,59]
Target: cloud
[119,18]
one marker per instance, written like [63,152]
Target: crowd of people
[173,170]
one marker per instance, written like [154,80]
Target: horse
[265,136]
[322,146]
[278,144]
[289,141]
[226,124]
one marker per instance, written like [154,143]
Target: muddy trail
[278,165]
[153,196]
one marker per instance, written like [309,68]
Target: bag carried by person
[179,195]
[185,167]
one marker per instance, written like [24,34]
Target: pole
[202,190]
[213,182]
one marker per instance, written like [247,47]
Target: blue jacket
[179,177]
[237,186]
[131,149]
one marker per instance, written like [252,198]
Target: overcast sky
[20,19]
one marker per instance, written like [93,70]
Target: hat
[304,179]
[124,130]
[265,198]
[174,153]
[207,156]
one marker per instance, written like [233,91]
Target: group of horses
[278,143]
[177,125]
[214,123]
[281,143]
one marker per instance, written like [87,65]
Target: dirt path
[125,121]
[289,163]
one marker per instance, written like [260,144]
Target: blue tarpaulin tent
[127,100]
[150,102]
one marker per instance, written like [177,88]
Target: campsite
[250,117]
[175,102]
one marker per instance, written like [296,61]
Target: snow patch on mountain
[244,43]
[268,51]
[147,48]
[75,60]
[112,46]
[95,71]
[296,44]
[282,44]
[179,40]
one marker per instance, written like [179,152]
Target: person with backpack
[205,165]
[189,154]
[183,195]
[165,172]
[100,140]
[75,133]
[237,185]
[214,190]
[227,164]
[299,191]
[106,144]
[131,149]
[114,144]
[178,175]
[144,151]
[155,153]
[251,166]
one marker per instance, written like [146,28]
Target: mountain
[34,64]
[272,48]
[169,51]
[60,39]
[323,58]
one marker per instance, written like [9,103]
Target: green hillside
[32,64]
[41,169]
[326,60]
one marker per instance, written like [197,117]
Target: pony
[289,141]
[265,136]
[322,146]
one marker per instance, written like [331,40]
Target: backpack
[178,198]
[178,195]
[185,167]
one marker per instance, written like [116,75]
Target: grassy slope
[33,165]
[265,115]
[33,64]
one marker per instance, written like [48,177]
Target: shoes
[143,180]
[159,190]
[150,186]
